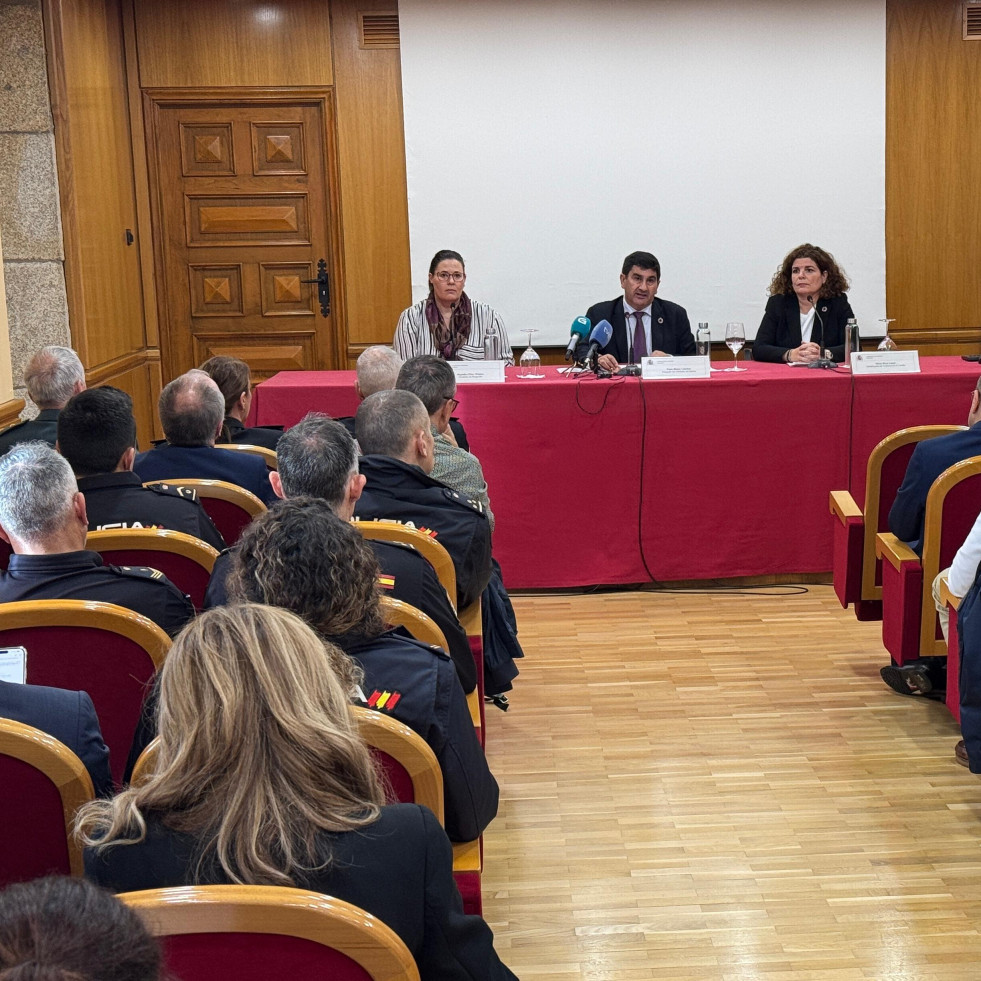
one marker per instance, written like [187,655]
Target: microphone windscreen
[581,326]
[602,333]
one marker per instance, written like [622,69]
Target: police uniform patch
[383,701]
[386,582]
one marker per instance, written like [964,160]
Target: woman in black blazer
[807,295]
[263,779]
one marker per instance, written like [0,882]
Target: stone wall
[30,219]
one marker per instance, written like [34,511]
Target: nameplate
[478,371]
[687,367]
[13,665]
[885,362]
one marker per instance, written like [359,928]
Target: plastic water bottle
[492,345]
[703,340]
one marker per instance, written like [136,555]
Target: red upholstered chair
[44,784]
[856,569]
[254,933]
[414,777]
[267,454]
[909,622]
[229,506]
[952,602]
[185,560]
[106,650]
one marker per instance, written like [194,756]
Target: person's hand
[659,354]
[608,363]
[806,352]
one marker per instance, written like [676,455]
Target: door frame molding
[156,99]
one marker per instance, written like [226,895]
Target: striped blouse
[413,336]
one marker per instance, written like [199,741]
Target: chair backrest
[254,933]
[185,560]
[429,548]
[267,454]
[400,614]
[145,763]
[952,507]
[413,772]
[44,784]
[229,506]
[884,473]
[106,650]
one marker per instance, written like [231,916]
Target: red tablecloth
[596,481]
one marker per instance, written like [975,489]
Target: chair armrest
[473,703]
[946,596]
[890,549]
[466,856]
[843,505]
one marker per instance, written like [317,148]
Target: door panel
[243,188]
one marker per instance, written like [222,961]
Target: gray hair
[387,421]
[429,377]
[191,409]
[316,458]
[37,488]
[51,376]
[377,368]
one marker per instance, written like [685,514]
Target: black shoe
[960,754]
[911,679]
[499,701]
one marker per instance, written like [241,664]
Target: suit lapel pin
[660,320]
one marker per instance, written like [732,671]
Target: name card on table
[885,362]
[688,367]
[478,371]
[13,665]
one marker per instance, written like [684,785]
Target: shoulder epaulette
[174,490]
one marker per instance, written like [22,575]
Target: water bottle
[852,340]
[492,345]
[703,340]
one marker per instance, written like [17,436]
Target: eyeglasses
[449,398]
[450,277]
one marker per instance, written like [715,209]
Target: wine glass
[735,339]
[887,343]
[530,364]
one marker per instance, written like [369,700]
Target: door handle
[323,287]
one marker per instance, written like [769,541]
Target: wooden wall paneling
[139,376]
[10,412]
[233,43]
[933,143]
[374,204]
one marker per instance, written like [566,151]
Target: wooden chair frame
[843,506]
[222,490]
[61,766]
[154,540]
[430,549]
[267,454]
[277,910]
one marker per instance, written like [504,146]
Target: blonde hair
[258,749]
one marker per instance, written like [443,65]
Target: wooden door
[245,204]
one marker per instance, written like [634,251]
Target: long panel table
[623,481]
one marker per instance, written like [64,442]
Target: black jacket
[779,331]
[267,436]
[670,329]
[400,492]
[44,427]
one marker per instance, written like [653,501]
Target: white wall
[547,139]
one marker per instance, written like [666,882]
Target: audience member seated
[192,411]
[52,377]
[62,929]
[262,778]
[303,557]
[234,381]
[433,380]
[376,369]
[318,458]
[97,436]
[68,716]
[394,431]
[43,517]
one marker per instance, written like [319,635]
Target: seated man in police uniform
[318,458]
[192,411]
[43,517]
[301,556]
[97,436]
[52,377]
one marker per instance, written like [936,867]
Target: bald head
[192,410]
[377,367]
[396,424]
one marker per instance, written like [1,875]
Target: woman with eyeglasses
[447,322]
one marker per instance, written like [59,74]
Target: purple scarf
[449,339]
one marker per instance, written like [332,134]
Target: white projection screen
[546,139]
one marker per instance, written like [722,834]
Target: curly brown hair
[835,285]
[301,556]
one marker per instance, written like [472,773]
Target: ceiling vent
[379,29]
[972,21]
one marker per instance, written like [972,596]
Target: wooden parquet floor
[720,787]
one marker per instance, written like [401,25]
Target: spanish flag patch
[383,700]
[386,582]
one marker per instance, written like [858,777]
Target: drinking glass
[887,343]
[735,339]
[530,364]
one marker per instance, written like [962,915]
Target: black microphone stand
[822,362]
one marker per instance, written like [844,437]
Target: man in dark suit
[52,377]
[643,325]
[192,410]
[68,716]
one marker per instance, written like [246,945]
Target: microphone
[580,331]
[600,337]
[822,361]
